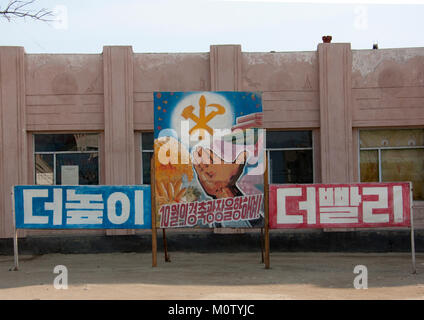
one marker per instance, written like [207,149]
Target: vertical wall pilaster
[119,124]
[225,63]
[13,149]
[335,70]
[226,75]
[118,111]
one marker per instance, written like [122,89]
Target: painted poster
[209,159]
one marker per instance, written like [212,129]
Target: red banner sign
[340,205]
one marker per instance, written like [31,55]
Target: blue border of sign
[38,207]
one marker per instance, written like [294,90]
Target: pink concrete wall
[387,87]
[165,72]
[289,82]
[64,92]
[333,91]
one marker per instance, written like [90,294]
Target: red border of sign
[407,198]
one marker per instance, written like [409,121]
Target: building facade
[334,115]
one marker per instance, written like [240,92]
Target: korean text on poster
[208,212]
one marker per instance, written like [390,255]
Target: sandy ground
[213,276]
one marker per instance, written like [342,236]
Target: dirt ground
[227,276]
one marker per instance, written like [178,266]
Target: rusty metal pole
[153,206]
[266,209]
[262,245]
[165,247]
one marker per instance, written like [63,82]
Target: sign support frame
[414,268]
[153,207]
[266,212]
[262,245]
[165,246]
[15,237]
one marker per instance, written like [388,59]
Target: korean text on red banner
[340,205]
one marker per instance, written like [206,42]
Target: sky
[152,26]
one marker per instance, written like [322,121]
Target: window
[393,155]
[290,156]
[146,155]
[66,159]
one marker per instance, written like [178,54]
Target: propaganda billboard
[209,159]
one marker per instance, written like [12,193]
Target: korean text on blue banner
[82,207]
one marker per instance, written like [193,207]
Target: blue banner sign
[82,207]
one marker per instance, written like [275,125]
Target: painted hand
[217,177]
